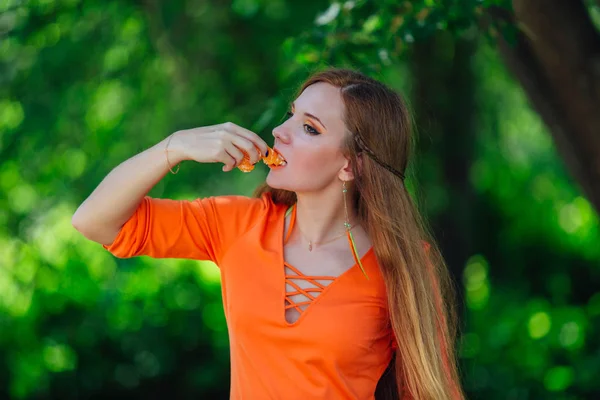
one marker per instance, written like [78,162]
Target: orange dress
[341,343]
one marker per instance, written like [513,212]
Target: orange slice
[272,158]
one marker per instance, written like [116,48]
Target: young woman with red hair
[332,287]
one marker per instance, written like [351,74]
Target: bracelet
[167,155]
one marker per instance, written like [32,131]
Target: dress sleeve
[200,229]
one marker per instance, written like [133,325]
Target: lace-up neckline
[302,290]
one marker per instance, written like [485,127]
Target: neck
[320,215]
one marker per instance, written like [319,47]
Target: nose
[281,133]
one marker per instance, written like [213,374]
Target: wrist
[173,151]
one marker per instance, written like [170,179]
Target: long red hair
[421,297]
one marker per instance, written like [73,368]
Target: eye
[307,128]
[310,130]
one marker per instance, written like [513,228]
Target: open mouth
[274,160]
[277,165]
[272,166]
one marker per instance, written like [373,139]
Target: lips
[274,158]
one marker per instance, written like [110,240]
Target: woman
[331,286]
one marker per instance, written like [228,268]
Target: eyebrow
[311,116]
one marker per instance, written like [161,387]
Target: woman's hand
[225,143]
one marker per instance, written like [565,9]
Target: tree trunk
[556,58]
[444,102]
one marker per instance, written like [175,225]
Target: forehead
[324,101]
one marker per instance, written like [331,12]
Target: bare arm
[113,202]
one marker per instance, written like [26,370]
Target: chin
[295,184]
[275,182]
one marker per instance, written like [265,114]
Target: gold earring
[349,232]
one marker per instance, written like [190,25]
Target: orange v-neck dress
[339,346]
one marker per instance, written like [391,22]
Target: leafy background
[86,85]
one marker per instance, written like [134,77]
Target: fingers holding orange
[271,158]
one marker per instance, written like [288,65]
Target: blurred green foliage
[86,85]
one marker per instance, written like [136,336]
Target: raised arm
[101,216]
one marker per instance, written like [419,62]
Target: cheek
[309,149]
[319,160]
[310,160]
[315,167]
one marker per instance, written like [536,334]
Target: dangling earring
[349,232]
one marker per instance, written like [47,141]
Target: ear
[345,173]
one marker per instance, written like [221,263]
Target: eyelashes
[307,128]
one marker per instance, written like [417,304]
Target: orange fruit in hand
[245,165]
[272,158]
